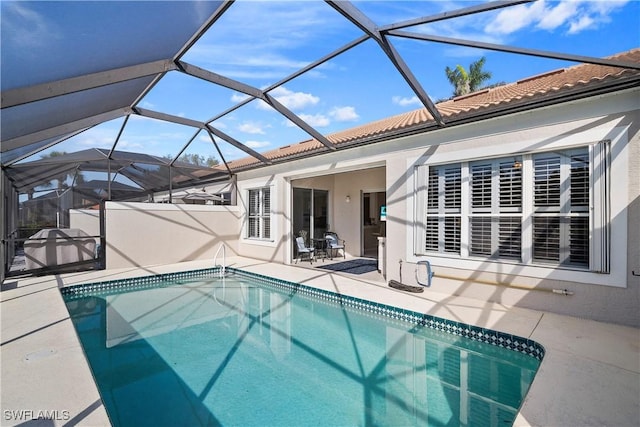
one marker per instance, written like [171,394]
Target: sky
[261,42]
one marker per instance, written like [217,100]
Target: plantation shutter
[423,193]
[480,239]
[254,213]
[452,189]
[266,213]
[546,170]
[579,199]
[433,189]
[259,225]
[511,186]
[495,224]
[452,205]
[510,227]
[546,197]
[439,209]
[601,236]
[480,227]
[481,187]
[510,237]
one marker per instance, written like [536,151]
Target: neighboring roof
[552,87]
[150,173]
[93,190]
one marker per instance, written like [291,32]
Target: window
[259,225]
[443,209]
[496,208]
[561,207]
[491,208]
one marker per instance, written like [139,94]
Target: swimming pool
[194,349]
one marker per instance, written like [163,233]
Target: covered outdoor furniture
[56,246]
[303,250]
[334,243]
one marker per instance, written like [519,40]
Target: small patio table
[320,245]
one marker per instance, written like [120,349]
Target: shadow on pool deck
[590,374]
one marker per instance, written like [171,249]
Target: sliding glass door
[310,213]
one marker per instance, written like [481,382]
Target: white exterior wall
[345,217]
[613,297]
[143,234]
[87,220]
[344,168]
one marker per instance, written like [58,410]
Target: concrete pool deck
[590,375]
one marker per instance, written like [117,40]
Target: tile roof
[523,93]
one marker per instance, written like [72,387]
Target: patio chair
[303,250]
[334,243]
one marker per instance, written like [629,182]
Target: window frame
[563,214]
[499,215]
[446,211]
[527,211]
[262,216]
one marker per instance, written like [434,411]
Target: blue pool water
[248,351]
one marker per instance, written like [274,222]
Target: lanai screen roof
[87,64]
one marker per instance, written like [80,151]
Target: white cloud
[556,16]
[344,114]
[238,97]
[129,145]
[403,102]
[26,27]
[515,18]
[315,120]
[219,125]
[585,22]
[573,16]
[147,104]
[606,7]
[101,138]
[257,144]
[234,50]
[293,100]
[252,128]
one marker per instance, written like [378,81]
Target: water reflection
[231,352]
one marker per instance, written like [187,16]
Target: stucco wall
[87,220]
[345,217]
[341,173]
[142,234]
[613,297]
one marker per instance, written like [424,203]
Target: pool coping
[590,374]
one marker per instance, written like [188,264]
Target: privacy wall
[144,234]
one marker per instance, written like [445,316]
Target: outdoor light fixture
[517,164]
[347,199]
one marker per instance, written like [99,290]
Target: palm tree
[464,81]
[62,178]
[477,76]
[459,78]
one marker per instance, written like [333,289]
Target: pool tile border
[475,333]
